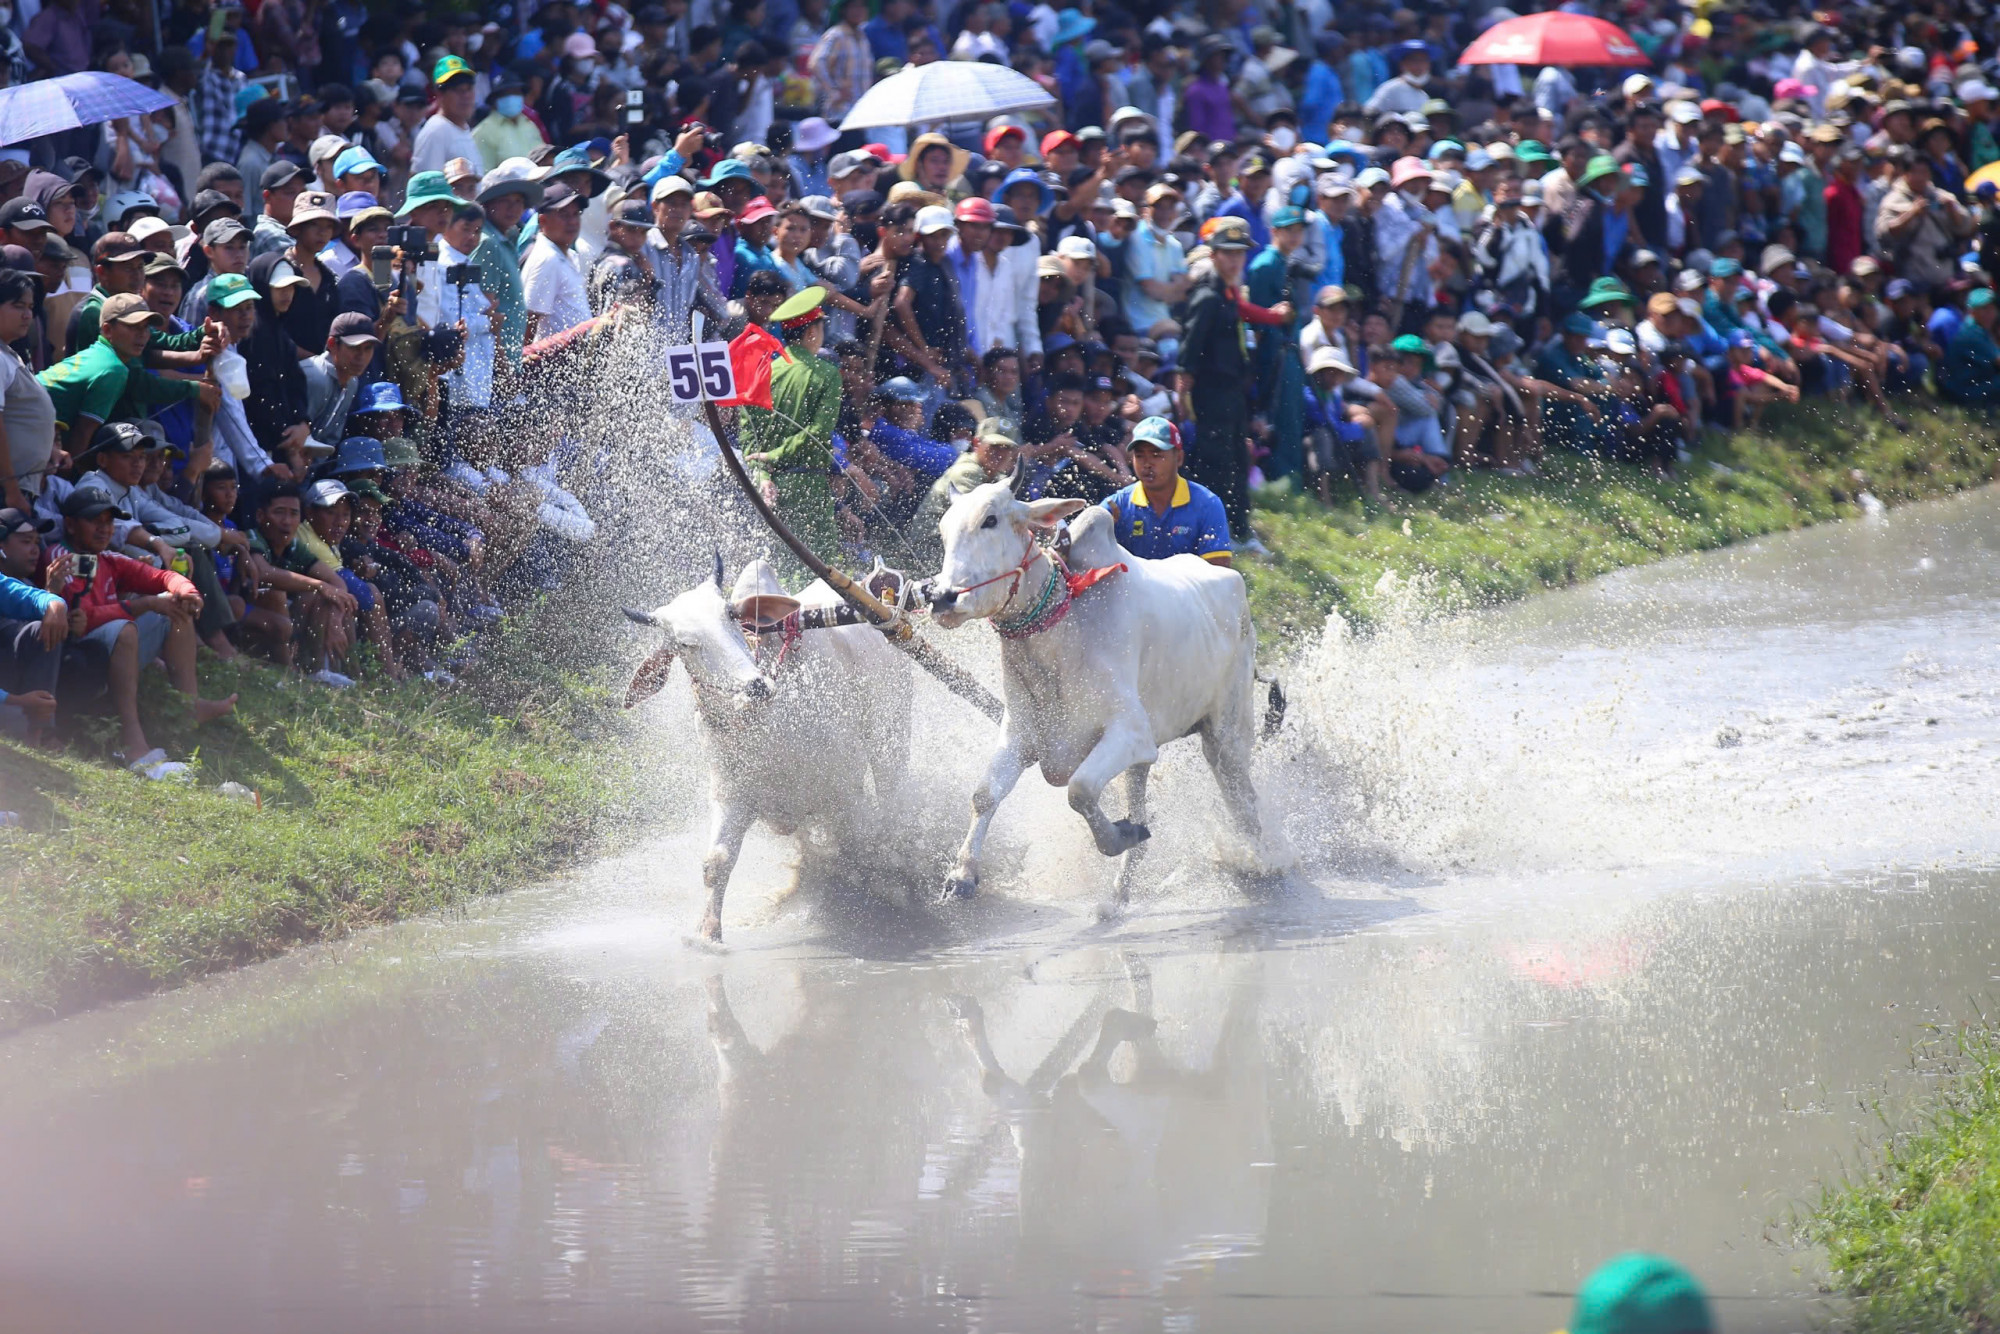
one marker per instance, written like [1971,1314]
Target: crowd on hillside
[294,366]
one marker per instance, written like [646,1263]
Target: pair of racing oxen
[1100,671]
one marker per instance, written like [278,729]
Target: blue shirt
[1194,522]
[749,259]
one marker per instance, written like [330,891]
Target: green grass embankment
[371,804]
[1487,539]
[1915,1239]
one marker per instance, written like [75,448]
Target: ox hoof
[957,887]
[1125,835]
[1111,910]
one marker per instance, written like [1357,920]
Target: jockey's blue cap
[1158,432]
[382,396]
[358,453]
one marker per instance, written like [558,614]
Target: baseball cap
[13,521]
[279,175]
[846,164]
[672,185]
[126,308]
[116,248]
[974,210]
[226,291]
[1289,215]
[1076,247]
[23,215]
[825,210]
[1578,323]
[1475,324]
[937,218]
[145,229]
[1899,288]
[1724,267]
[1327,359]
[353,329]
[1231,233]
[223,231]
[558,196]
[89,501]
[326,493]
[1157,432]
[159,264]
[632,212]
[449,68]
[352,160]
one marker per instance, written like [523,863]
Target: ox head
[704,629]
[987,532]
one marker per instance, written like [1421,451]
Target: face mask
[1283,138]
[473,42]
[509,105]
[586,67]
[1415,197]
[6,15]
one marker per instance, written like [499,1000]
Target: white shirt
[552,287]
[439,141]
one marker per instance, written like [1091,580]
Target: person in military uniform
[792,450]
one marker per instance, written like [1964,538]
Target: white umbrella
[945,90]
[31,110]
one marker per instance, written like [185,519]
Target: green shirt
[99,384]
[296,559]
[83,328]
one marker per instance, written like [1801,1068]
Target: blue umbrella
[31,110]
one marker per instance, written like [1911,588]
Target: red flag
[750,356]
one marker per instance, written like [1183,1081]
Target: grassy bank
[370,804]
[1488,539]
[1914,1240]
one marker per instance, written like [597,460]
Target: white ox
[790,742]
[1165,650]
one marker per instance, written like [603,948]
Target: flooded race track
[1616,915]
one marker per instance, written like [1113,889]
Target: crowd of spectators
[293,367]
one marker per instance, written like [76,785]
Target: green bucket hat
[428,187]
[1641,1294]
[399,451]
[1605,292]
[226,291]
[1600,166]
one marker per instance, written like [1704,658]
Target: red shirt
[118,577]
[1843,224]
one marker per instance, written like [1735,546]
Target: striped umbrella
[46,106]
[945,90]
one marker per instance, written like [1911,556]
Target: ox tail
[1274,710]
[640,617]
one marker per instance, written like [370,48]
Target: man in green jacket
[506,196]
[791,448]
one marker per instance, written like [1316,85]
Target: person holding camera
[462,304]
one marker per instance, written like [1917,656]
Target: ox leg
[1135,813]
[1230,763]
[1002,772]
[725,840]
[1121,747]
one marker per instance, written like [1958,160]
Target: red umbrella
[1554,38]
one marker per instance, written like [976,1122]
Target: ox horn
[1017,476]
[718,570]
[639,617]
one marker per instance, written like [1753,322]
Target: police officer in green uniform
[791,449]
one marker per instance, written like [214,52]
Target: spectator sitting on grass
[262,620]
[415,600]
[1752,388]
[1340,435]
[123,615]
[315,600]
[329,517]
[33,624]
[198,538]
[1420,454]
[1971,373]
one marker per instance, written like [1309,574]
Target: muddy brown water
[1618,916]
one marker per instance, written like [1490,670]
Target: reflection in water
[1591,981]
